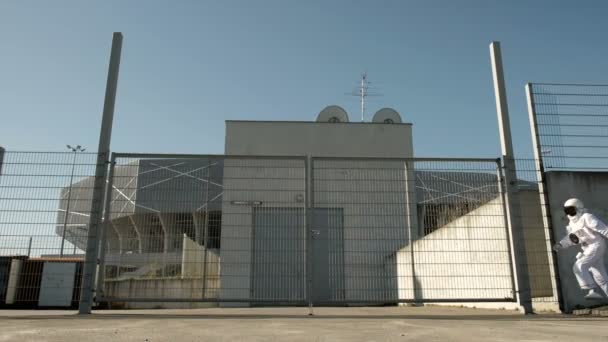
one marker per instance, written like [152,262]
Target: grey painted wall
[592,189]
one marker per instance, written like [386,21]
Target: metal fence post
[412,222]
[1,158]
[103,152]
[517,237]
[308,226]
[206,228]
[107,217]
[503,198]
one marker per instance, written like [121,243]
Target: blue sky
[189,65]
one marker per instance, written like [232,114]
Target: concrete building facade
[359,208]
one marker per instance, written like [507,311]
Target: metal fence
[45,207]
[419,230]
[198,230]
[201,228]
[570,123]
[291,230]
[570,138]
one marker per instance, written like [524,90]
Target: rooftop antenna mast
[362,91]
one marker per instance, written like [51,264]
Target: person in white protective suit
[586,230]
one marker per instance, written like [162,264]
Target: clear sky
[189,65]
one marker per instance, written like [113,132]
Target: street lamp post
[75,151]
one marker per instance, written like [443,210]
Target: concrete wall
[538,251]
[372,195]
[477,244]
[196,281]
[319,139]
[13,281]
[198,262]
[162,288]
[592,189]
[467,258]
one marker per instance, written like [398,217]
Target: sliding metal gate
[240,230]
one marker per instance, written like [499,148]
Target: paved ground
[292,324]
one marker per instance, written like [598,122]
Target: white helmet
[574,202]
[574,207]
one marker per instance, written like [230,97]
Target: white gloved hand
[557,247]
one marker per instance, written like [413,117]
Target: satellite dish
[387,116]
[332,114]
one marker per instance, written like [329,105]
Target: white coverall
[589,267]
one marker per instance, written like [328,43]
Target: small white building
[359,208]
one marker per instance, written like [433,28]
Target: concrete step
[601,311]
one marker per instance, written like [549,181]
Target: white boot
[593,295]
[605,289]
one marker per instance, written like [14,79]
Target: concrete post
[518,253]
[103,153]
[544,198]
